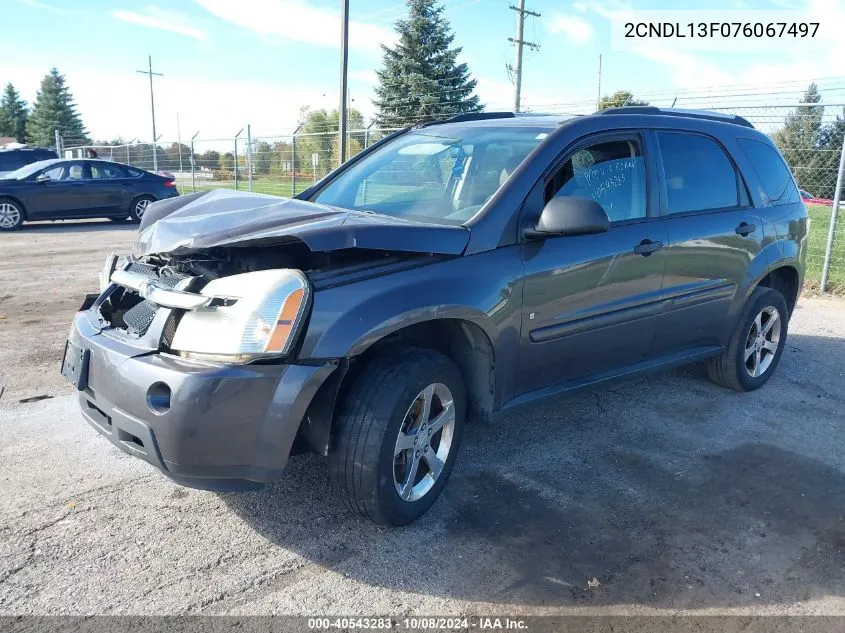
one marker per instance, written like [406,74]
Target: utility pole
[520,42]
[598,98]
[179,140]
[344,62]
[150,72]
[236,157]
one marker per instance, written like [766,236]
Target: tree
[13,114]
[798,139]
[262,157]
[209,159]
[619,99]
[319,136]
[421,77]
[54,109]
[824,165]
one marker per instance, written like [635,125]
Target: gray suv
[454,271]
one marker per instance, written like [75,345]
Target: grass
[819,226]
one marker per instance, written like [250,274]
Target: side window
[55,173]
[699,175]
[612,173]
[75,171]
[774,175]
[101,171]
[134,173]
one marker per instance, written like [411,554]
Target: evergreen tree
[421,77]
[619,99]
[824,166]
[798,139]
[13,114]
[54,109]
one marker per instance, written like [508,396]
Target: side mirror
[570,216]
[42,178]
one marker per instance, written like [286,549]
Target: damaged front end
[230,304]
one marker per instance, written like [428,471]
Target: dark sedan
[62,189]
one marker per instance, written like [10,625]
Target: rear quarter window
[775,177]
[134,173]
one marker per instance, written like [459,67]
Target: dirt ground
[664,495]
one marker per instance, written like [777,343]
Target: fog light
[158,398]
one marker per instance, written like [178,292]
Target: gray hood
[223,217]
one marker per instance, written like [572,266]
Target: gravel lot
[675,495]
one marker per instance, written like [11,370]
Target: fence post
[249,156]
[58,144]
[834,212]
[293,161]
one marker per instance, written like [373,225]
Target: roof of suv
[509,119]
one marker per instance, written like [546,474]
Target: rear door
[110,185]
[714,234]
[591,302]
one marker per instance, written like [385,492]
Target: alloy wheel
[141,206]
[762,342]
[10,215]
[424,441]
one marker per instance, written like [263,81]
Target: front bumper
[222,427]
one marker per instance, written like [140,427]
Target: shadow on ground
[76,226]
[668,491]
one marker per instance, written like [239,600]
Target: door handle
[647,247]
[745,228]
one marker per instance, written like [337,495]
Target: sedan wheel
[139,207]
[11,216]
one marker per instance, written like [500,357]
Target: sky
[229,63]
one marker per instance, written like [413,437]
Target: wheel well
[785,281]
[462,341]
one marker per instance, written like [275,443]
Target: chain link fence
[809,136]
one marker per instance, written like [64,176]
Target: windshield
[28,170]
[435,175]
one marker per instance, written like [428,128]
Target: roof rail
[480,116]
[693,114]
[468,116]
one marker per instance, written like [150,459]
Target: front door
[714,234]
[591,302]
[62,195]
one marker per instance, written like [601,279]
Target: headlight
[109,267]
[258,315]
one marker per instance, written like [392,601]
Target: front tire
[139,206]
[756,345]
[397,435]
[11,214]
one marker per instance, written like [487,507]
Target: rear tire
[756,345]
[138,206]
[397,435]
[12,214]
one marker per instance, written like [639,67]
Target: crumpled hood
[223,217]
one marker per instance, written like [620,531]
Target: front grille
[139,315]
[139,318]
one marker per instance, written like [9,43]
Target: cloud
[45,7]
[294,20]
[162,19]
[578,30]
